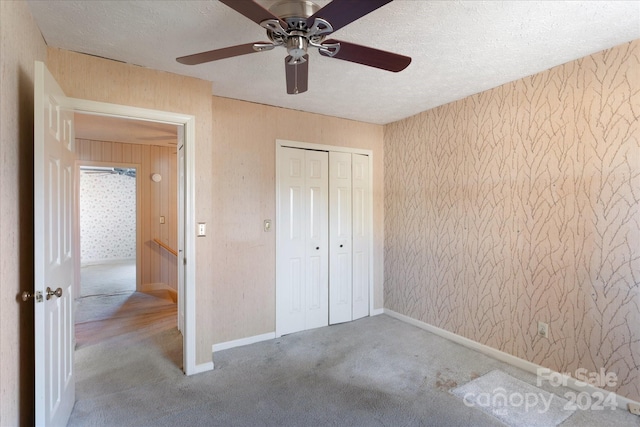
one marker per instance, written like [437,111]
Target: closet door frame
[324,147]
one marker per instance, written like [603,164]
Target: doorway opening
[56,258]
[128,224]
[186,264]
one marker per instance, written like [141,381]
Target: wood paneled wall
[155,199]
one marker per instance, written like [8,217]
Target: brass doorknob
[57,292]
[26,295]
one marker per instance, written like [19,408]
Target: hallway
[109,309]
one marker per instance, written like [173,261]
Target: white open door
[53,252]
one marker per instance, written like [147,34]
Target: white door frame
[323,147]
[189,257]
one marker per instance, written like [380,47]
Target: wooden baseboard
[151,287]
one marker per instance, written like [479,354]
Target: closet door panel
[291,274]
[317,239]
[361,235]
[340,230]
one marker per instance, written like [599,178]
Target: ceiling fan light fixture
[297,45]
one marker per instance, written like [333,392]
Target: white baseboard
[106,261]
[621,401]
[264,337]
[243,341]
[203,367]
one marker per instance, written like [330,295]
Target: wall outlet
[634,408]
[543,329]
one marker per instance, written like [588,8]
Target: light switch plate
[202,229]
[267,225]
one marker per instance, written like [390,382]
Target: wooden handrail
[167,247]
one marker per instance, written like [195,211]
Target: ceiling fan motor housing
[298,35]
[294,9]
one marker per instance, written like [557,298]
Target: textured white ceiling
[458,47]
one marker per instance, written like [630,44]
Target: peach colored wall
[244,136]
[235,183]
[519,205]
[20,45]
[97,79]
[156,265]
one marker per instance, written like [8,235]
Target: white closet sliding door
[302,270]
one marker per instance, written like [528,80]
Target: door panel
[53,252]
[302,260]
[296,278]
[340,267]
[316,236]
[361,235]
[296,211]
[290,269]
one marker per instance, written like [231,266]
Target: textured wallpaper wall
[519,205]
[107,217]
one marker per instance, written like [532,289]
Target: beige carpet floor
[108,278]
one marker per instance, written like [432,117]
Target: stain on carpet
[444,384]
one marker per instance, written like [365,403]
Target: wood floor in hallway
[127,316]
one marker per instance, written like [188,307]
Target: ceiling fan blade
[343,12]
[369,56]
[252,10]
[297,75]
[214,55]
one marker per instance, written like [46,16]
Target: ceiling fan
[298,24]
